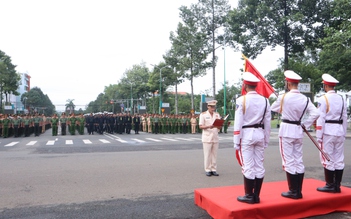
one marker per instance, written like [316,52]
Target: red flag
[263,87]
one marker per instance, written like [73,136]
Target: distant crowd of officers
[26,125]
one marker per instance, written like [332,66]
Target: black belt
[334,121]
[254,126]
[291,122]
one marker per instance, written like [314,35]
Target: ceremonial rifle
[325,155]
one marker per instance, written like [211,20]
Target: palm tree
[70,105]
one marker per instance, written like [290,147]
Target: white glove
[265,145]
[237,146]
[319,140]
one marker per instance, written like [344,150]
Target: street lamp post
[159,109]
[160,106]
[225,104]
[131,98]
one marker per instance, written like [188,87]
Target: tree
[37,100]
[173,59]
[212,16]
[9,78]
[295,25]
[70,106]
[191,45]
[336,52]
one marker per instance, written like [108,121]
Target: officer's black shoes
[295,186]
[208,173]
[330,182]
[214,173]
[249,196]
[333,180]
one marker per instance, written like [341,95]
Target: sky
[72,49]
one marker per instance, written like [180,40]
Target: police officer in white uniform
[331,131]
[210,139]
[293,105]
[251,136]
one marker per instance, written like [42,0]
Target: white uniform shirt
[255,106]
[335,103]
[291,109]
[209,135]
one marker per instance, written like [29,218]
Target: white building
[16,105]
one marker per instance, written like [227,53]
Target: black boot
[249,195]
[330,182]
[293,182]
[299,189]
[257,189]
[338,178]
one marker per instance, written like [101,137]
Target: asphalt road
[125,176]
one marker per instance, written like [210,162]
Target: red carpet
[221,202]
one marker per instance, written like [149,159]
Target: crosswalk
[107,139]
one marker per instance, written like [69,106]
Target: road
[125,176]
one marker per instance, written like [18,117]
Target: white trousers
[291,153]
[210,155]
[251,155]
[334,147]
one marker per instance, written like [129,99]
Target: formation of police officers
[26,125]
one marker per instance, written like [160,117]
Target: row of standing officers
[252,133]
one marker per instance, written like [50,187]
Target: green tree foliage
[190,42]
[231,93]
[70,106]
[295,25]
[336,52]
[212,17]
[37,101]
[9,78]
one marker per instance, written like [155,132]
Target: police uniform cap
[250,79]
[329,80]
[212,103]
[291,76]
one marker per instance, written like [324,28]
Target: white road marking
[104,141]
[69,141]
[138,140]
[11,144]
[31,143]
[50,143]
[169,139]
[185,139]
[152,139]
[86,141]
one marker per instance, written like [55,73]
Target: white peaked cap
[291,76]
[250,79]
[329,80]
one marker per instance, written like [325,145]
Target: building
[16,105]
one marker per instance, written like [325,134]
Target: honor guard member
[210,139]
[193,124]
[6,122]
[251,136]
[252,129]
[293,105]
[331,132]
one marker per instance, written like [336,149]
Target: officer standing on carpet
[210,141]
[252,129]
[293,105]
[331,131]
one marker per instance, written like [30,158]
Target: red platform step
[221,202]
